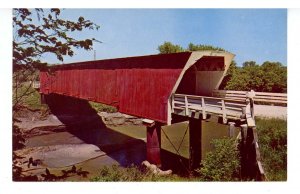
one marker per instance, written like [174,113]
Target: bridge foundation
[195,127]
[154,143]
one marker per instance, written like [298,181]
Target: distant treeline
[266,77]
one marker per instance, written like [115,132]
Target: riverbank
[55,147]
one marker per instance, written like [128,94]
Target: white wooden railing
[260,97]
[186,104]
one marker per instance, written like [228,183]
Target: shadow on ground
[83,122]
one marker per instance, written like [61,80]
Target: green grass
[31,97]
[102,107]
[117,173]
[32,100]
[272,136]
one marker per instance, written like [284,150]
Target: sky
[251,34]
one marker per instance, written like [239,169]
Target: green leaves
[201,47]
[272,135]
[168,47]
[222,164]
[48,33]
[268,77]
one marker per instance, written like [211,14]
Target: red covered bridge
[153,87]
[140,86]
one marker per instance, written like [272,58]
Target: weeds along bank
[221,164]
[272,134]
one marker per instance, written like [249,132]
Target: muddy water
[123,145]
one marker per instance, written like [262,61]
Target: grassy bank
[31,98]
[222,163]
[133,173]
[272,135]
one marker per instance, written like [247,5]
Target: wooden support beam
[231,129]
[244,129]
[195,127]
[153,143]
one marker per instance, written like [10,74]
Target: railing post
[172,102]
[203,108]
[224,112]
[250,96]
[186,106]
[231,129]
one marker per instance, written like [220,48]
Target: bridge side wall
[207,81]
[138,86]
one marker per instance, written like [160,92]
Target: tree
[275,77]
[268,77]
[229,74]
[201,47]
[38,32]
[249,64]
[168,47]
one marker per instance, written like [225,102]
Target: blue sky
[251,34]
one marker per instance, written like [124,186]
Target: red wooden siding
[138,86]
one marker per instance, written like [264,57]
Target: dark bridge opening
[82,121]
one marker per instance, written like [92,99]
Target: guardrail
[260,97]
[226,108]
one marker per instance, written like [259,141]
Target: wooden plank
[224,112]
[205,97]
[270,97]
[233,108]
[203,109]
[186,105]
[233,95]
[233,104]
[270,94]
[173,103]
[177,102]
[245,92]
[229,91]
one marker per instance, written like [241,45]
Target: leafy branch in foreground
[37,32]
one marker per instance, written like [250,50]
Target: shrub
[272,135]
[222,164]
[102,107]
